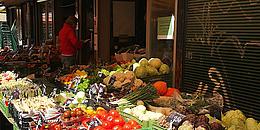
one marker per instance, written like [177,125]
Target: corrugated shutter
[222,51]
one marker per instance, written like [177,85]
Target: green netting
[7,37]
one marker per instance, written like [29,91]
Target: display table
[6,114]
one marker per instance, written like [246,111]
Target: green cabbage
[233,117]
[152,71]
[251,124]
[155,62]
[164,69]
[140,72]
[143,62]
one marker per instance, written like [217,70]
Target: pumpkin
[170,92]
[161,87]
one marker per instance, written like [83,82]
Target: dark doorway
[128,24]
[86,25]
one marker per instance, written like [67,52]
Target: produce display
[8,75]
[151,67]
[19,88]
[115,97]
[33,104]
[143,114]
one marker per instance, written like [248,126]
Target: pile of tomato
[112,120]
[101,119]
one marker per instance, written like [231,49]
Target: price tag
[112,80]
[175,119]
[101,75]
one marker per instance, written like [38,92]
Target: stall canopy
[163,6]
[12,2]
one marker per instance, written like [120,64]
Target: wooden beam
[178,52]
[148,27]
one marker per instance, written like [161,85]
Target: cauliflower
[140,72]
[152,71]
[200,128]
[144,117]
[138,83]
[80,94]
[186,126]
[153,115]
[117,84]
[128,111]
[129,75]
[140,108]
[143,62]
[155,62]
[164,69]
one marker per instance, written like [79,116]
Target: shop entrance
[128,25]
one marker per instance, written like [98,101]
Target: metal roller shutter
[222,51]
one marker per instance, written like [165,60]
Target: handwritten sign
[175,119]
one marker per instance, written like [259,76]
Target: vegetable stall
[128,96]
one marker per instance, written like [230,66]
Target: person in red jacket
[69,43]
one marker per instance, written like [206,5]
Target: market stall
[114,96]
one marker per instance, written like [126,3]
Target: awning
[12,2]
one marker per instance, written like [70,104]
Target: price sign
[175,119]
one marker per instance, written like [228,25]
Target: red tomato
[137,127]
[132,122]
[119,121]
[76,124]
[101,112]
[114,113]
[57,127]
[66,119]
[72,113]
[117,127]
[85,123]
[104,117]
[127,127]
[107,125]
[96,116]
[51,125]
[77,109]
[110,118]
[79,113]
[73,129]
[72,118]
[99,128]
[66,114]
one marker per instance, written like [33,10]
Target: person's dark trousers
[68,61]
